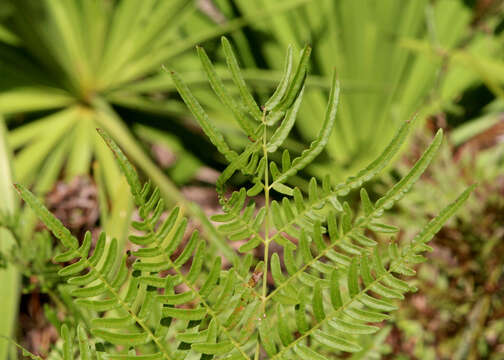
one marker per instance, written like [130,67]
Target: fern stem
[267,239]
[266,220]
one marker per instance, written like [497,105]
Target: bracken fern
[330,283]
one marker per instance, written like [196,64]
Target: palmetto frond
[74,61]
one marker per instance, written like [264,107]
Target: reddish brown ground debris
[163,156]
[75,204]
[37,334]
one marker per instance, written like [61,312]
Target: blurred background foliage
[67,67]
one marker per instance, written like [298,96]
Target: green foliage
[394,58]
[332,278]
[66,66]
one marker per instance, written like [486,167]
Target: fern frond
[239,81]
[201,116]
[274,100]
[101,280]
[319,144]
[285,127]
[299,212]
[322,272]
[327,284]
[131,296]
[348,237]
[160,243]
[353,303]
[218,87]
[284,103]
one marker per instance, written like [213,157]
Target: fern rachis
[329,285]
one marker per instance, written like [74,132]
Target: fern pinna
[331,280]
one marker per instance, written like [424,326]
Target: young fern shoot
[315,298]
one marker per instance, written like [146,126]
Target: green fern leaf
[296,83]
[52,223]
[285,127]
[247,97]
[210,130]
[224,96]
[318,145]
[279,93]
